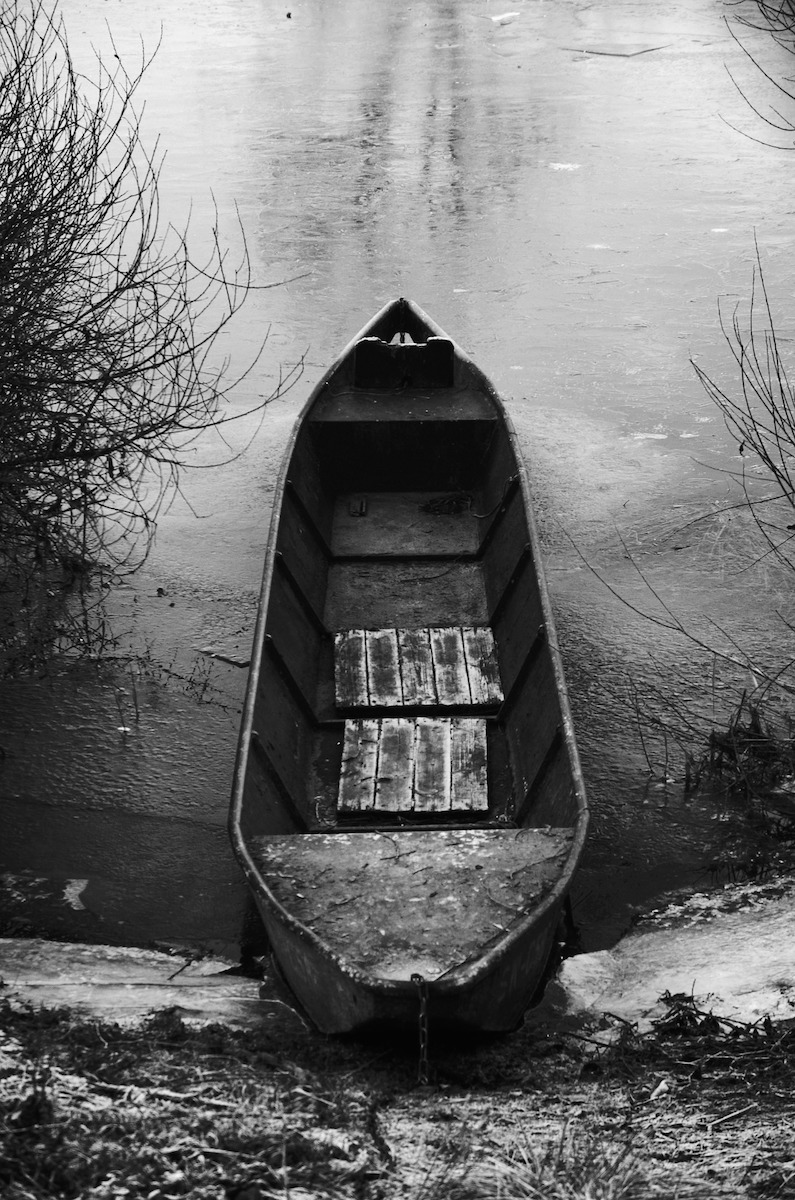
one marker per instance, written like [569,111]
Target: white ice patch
[731,949]
[72,891]
[25,888]
[556,166]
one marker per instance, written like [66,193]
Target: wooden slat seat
[396,668]
[414,765]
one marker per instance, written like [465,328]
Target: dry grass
[96,1110]
[700,1108]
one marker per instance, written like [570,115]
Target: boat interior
[405,678]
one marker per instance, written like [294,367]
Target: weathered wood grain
[416,666]
[414,764]
[404,595]
[383,668]
[359,766]
[350,668]
[482,668]
[432,765]
[395,779]
[394,668]
[449,666]
[468,779]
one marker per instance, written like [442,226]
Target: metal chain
[422,1067]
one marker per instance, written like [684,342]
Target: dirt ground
[698,1107]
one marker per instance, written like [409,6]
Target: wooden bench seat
[414,765]
[399,668]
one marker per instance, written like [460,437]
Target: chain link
[422,988]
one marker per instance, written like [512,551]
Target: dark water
[568,193]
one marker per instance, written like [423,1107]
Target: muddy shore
[130,1072]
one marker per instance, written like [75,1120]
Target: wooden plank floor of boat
[392,904]
[400,763]
[403,523]
[393,667]
[419,765]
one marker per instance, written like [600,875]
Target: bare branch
[109,329]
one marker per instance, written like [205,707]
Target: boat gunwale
[471,972]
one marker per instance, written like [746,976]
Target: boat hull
[338,1000]
[408,805]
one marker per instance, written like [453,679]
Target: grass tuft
[578,1166]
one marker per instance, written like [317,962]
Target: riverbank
[137,1073]
[160,1109]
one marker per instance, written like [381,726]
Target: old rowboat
[408,805]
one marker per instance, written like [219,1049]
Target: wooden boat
[407,805]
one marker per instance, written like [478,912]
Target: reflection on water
[566,195]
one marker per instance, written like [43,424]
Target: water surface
[568,194]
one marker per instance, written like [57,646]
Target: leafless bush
[108,329]
[759,411]
[759,406]
[773,16]
[777,18]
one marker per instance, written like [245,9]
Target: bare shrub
[759,411]
[109,359]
